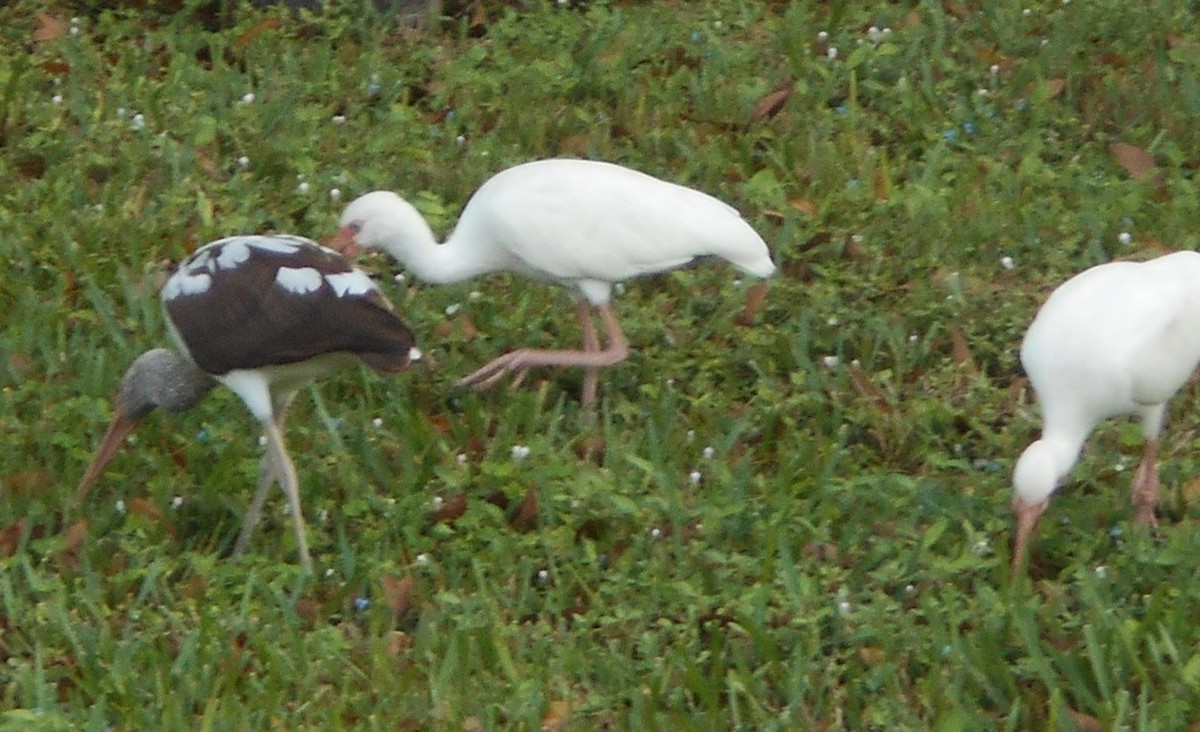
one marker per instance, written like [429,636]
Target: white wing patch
[299,280]
[233,253]
[353,282]
[186,283]
[199,261]
[279,244]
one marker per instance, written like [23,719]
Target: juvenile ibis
[1117,339]
[263,315]
[582,224]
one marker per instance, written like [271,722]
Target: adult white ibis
[263,315]
[1117,339]
[583,224]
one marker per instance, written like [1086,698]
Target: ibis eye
[355,227]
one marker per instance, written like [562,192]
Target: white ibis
[582,224]
[1117,339]
[263,315]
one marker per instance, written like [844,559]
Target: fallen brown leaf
[143,507]
[1134,160]
[74,536]
[527,513]
[959,349]
[957,9]
[28,482]
[1085,722]
[756,295]
[399,642]
[591,447]
[467,328]
[556,716]
[770,105]
[308,609]
[397,594]
[866,387]
[451,510]
[49,28]
[10,537]
[804,206]
[478,17]
[56,67]
[253,32]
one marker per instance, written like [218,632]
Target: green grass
[841,561]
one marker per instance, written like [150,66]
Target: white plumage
[582,224]
[1118,339]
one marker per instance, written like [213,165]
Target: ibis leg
[1145,486]
[517,361]
[267,474]
[291,487]
[591,344]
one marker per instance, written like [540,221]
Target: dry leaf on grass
[591,448]
[526,516]
[1085,722]
[398,593]
[756,295]
[143,507]
[1138,163]
[451,510]
[862,382]
[556,716]
[959,349]
[10,537]
[253,32]
[49,28]
[770,105]
[74,536]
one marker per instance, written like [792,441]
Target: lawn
[789,517]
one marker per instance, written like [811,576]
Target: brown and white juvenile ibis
[580,223]
[1117,339]
[263,315]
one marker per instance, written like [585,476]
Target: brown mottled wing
[253,301]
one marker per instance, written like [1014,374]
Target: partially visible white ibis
[263,315]
[582,224]
[1117,339]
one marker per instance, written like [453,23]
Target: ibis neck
[459,258]
[1045,463]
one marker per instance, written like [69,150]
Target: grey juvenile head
[163,379]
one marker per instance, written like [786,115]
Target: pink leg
[591,344]
[518,361]
[1145,486]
